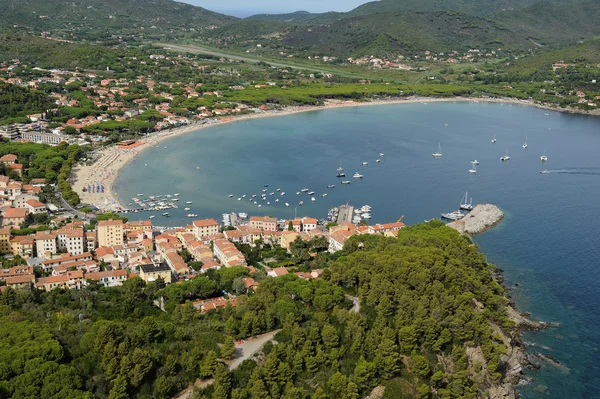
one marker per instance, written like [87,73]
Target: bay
[548,242]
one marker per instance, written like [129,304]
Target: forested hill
[428,327]
[113,16]
[402,32]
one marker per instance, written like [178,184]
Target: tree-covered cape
[428,304]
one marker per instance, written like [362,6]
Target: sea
[548,244]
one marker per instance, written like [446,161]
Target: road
[245,351]
[68,207]
[188,48]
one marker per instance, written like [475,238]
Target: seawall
[479,220]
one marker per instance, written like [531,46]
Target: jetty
[482,218]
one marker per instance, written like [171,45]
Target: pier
[482,218]
[345,214]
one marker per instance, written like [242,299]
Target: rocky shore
[482,218]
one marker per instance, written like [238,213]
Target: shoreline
[105,170]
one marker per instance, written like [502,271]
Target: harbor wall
[482,218]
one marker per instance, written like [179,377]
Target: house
[35,207]
[228,254]
[250,284]
[112,278]
[17,168]
[214,303]
[205,227]
[45,244]
[65,259]
[287,238]
[22,246]
[150,273]
[337,240]
[109,233]
[264,223]
[8,159]
[14,217]
[138,225]
[15,272]
[21,282]
[388,229]
[5,240]
[277,272]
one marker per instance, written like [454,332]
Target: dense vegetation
[425,298]
[17,102]
[52,163]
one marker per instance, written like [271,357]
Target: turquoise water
[548,242]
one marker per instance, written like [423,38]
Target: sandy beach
[104,171]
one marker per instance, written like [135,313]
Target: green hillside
[552,24]
[404,32]
[113,16]
[298,16]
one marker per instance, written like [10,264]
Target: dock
[482,218]
[345,214]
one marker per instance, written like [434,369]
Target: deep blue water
[548,243]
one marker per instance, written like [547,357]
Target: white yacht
[166,214]
[278,190]
[188,202]
[340,174]
[244,196]
[298,193]
[176,194]
[358,176]
[505,157]
[377,160]
[473,169]
[301,203]
[313,199]
[475,162]
[543,157]
[438,153]
[282,194]
[187,209]
[243,215]
[365,163]
[381,154]
[304,190]
[366,215]
[311,193]
[494,139]
[525,144]
[239,199]
[467,206]
[152,217]
[277,200]
[324,195]
[230,195]
[346,182]
[456,215]
[286,204]
[331,186]
[340,168]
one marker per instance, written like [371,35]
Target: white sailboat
[467,206]
[494,139]
[505,157]
[525,144]
[543,157]
[438,153]
[340,168]
[473,169]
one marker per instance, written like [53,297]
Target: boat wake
[593,171]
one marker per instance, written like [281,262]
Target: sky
[245,8]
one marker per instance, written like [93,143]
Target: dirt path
[356,302]
[245,351]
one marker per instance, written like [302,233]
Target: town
[69,253]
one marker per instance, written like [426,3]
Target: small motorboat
[346,182]
[365,163]
[186,209]
[304,190]
[331,186]
[298,193]
[301,203]
[456,215]
[340,175]
[230,195]
[358,176]
[311,193]
[377,160]
[313,199]
[286,204]
[475,162]
[324,195]
[544,172]
[381,154]
[152,217]
[188,202]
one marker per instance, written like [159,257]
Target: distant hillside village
[44,251]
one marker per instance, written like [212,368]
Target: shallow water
[548,242]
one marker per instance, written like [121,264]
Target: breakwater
[479,220]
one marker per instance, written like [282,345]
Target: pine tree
[228,350]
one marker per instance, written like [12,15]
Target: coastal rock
[522,321]
[480,219]
[504,391]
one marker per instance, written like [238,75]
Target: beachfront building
[109,233]
[206,227]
